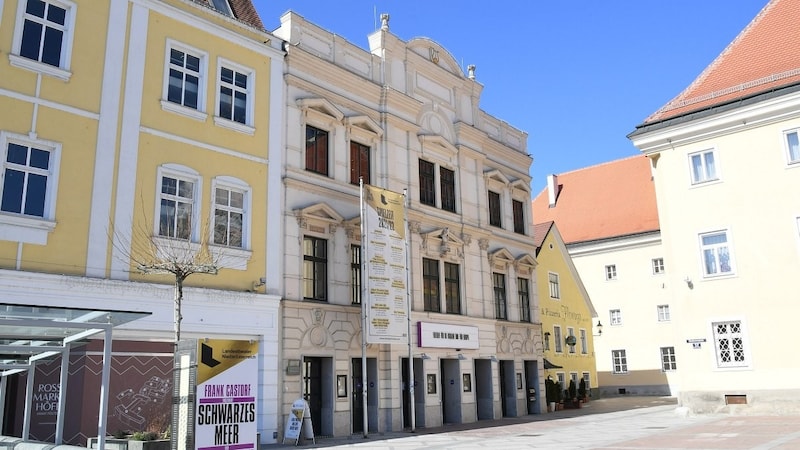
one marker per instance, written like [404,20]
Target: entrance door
[357,396]
[318,392]
[508,388]
[483,389]
[451,391]
[419,395]
[532,386]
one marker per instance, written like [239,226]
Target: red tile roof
[540,231]
[608,200]
[763,57]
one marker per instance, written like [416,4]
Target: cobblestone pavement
[625,423]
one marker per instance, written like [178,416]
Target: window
[316,150]
[729,344]
[185,80]
[229,216]
[452,288]
[430,284]
[573,377]
[668,359]
[494,209]
[43,38]
[448,181]
[355,274]
[547,341]
[619,361]
[658,266]
[235,87]
[792,147]
[584,343]
[177,196]
[587,377]
[315,268]
[519,216]
[717,258]
[27,176]
[615,317]
[359,163]
[499,282]
[222,6]
[427,183]
[571,337]
[523,292]
[703,167]
[558,339]
[663,313]
[555,291]
[561,379]
[611,272]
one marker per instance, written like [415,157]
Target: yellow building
[566,312]
[133,132]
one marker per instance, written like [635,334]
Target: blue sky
[576,75]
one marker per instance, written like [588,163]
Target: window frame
[741,334]
[727,245]
[558,339]
[615,317]
[356,274]
[657,266]
[234,185]
[358,153]
[571,332]
[554,285]
[248,125]
[584,341]
[500,296]
[619,361]
[494,200]
[668,360]
[427,182]
[62,71]
[663,313]
[437,185]
[452,285]
[431,288]
[518,211]
[705,177]
[788,147]
[611,272]
[316,262]
[314,168]
[180,173]
[524,299]
[447,188]
[198,113]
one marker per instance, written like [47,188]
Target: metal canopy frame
[33,333]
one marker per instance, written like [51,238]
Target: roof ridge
[604,163]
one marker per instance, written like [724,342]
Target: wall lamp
[599,327]
[689,283]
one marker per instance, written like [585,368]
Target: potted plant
[582,390]
[572,391]
[550,393]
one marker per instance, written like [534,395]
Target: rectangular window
[316,150]
[729,344]
[185,78]
[177,196]
[555,290]
[315,268]
[26,180]
[663,313]
[427,183]
[355,274]
[447,178]
[46,32]
[619,361]
[587,378]
[524,294]
[547,341]
[792,147]
[584,342]
[658,266]
[615,317]
[557,338]
[452,290]
[519,216]
[499,282]
[717,257]
[668,359]
[703,167]
[494,210]
[571,340]
[359,163]
[611,272]
[430,284]
[234,94]
[561,379]
[228,217]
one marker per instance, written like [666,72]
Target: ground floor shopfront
[461,373]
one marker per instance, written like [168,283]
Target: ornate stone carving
[483,243]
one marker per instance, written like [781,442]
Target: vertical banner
[384,247]
[227,382]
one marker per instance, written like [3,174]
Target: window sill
[226,257]
[231,257]
[184,111]
[25,229]
[233,125]
[39,67]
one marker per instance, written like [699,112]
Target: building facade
[133,133]
[404,117]
[724,155]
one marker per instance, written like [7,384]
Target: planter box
[128,444]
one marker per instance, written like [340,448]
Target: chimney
[552,189]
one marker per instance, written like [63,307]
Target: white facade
[409,107]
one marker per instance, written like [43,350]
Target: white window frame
[571,332]
[584,341]
[615,317]
[658,266]
[792,159]
[554,285]
[668,360]
[619,361]
[63,70]
[179,172]
[728,245]
[232,257]
[611,272]
[705,177]
[25,228]
[561,377]
[587,378]
[558,339]
[741,334]
[248,126]
[663,313]
[200,112]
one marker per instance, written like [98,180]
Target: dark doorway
[532,386]
[451,391]
[483,389]
[508,388]
[357,395]
[419,395]
[318,392]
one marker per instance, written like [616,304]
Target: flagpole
[411,391]
[364,294]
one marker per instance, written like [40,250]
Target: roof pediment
[434,52]
[501,255]
[319,211]
[321,105]
[365,123]
[496,175]
[526,260]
